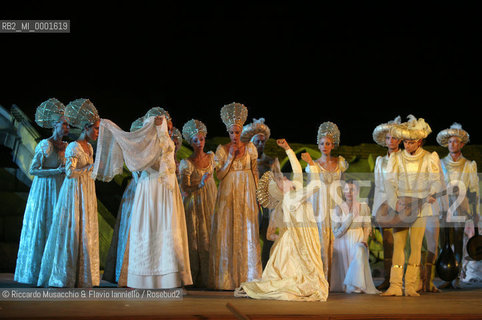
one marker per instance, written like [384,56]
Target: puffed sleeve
[72,159]
[186,168]
[42,151]
[342,164]
[223,162]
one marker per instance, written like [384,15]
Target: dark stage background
[295,63]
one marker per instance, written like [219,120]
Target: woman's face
[235,133]
[455,144]
[93,131]
[348,191]
[326,145]
[62,127]
[198,141]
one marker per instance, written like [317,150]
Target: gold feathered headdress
[455,130]
[256,127]
[380,132]
[413,129]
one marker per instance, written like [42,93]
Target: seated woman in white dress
[294,270]
[351,227]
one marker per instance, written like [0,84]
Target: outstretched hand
[283,144]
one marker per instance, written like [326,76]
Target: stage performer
[158,248]
[324,201]
[48,169]
[258,133]
[294,270]
[414,173]
[71,255]
[117,250]
[463,185]
[235,255]
[382,136]
[350,270]
[176,137]
[199,189]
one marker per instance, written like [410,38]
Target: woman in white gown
[350,270]
[199,188]
[48,168]
[294,270]
[71,256]
[235,252]
[115,257]
[158,247]
[324,201]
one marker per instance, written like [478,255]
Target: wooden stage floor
[465,303]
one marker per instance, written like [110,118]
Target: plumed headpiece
[381,131]
[158,111]
[49,113]
[137,124]
[192,128]
[455,130]
[329,129]
[234,114]
[256,127]
[413,129]
[81,112]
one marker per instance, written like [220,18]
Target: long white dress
[294,270]
[71,255]
[41,202]
[350,270]
[324,201]
[158,245]
[199,206]
[115,257]
[235,251]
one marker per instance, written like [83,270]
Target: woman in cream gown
[199,188]
[71,255]
[48,168]
[294,270]
[235,253]
[325,200]
[350,270]
[158,256]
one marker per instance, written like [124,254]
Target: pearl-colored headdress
[329,129]
[234,114]
[192,128]
[455,130]
[158,111]
[413,129]
[381,131]
[49,112]
[81,112]
[256,127]
[176,135]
